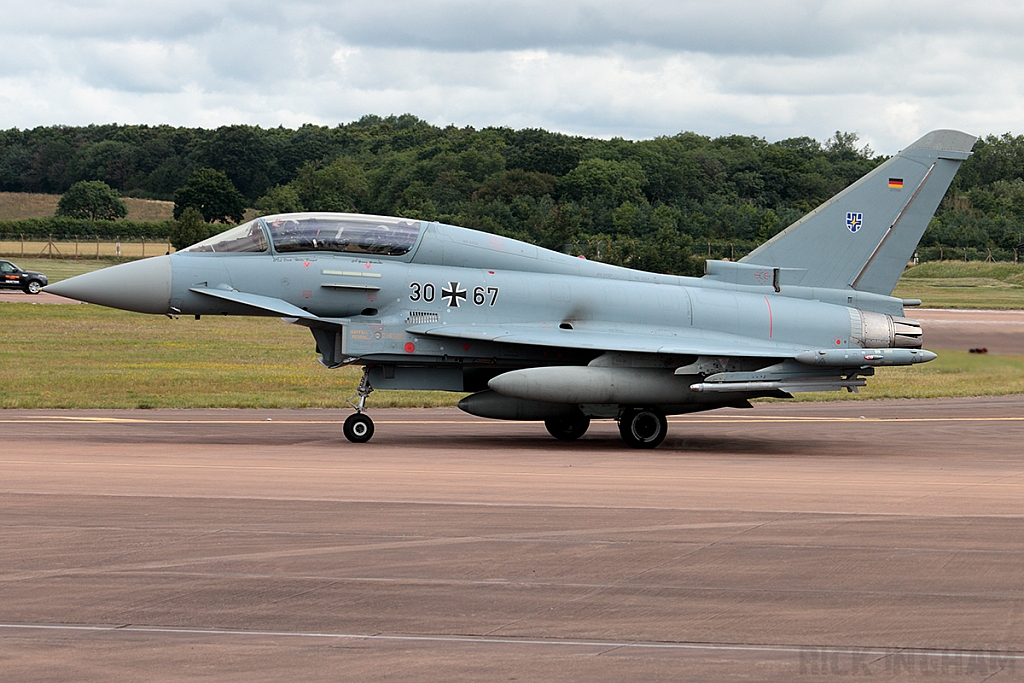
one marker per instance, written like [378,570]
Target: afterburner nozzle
[142,286]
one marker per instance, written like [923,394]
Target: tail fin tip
[946,140]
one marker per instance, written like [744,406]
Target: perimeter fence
[36,246]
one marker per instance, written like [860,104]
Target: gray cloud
[888,70]
[796,27]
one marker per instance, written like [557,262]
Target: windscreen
[349,234]
[247,237]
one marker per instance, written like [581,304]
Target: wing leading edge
[256,304]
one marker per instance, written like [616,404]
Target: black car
[13,277]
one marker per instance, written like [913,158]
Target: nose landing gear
[358,428]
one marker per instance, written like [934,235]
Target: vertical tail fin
[863,237]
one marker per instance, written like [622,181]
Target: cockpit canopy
[346,233]
[248,237]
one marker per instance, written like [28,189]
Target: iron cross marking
[453,294]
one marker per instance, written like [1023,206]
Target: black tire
[643,427]
[33,287]
[358,428]
[568,428]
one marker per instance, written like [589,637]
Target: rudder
[863,237]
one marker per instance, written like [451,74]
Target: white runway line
[485,640]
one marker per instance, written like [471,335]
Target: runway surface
[788,542]
[14,296]
[950,328]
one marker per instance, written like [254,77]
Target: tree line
[649,204]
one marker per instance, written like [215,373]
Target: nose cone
[142,286]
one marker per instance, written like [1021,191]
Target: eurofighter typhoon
[533,334]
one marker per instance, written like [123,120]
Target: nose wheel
[358,428]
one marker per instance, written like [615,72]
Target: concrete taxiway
[788,542]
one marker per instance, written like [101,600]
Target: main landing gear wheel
[569,427]
[358,428]
[643,427]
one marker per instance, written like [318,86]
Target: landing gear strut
[358,428]
[643,427]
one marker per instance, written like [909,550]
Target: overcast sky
[888,70]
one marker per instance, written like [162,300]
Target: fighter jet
[533,334]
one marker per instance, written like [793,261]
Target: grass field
[954,284]
[953,373]
[16,206]
[91,357]
[54,356]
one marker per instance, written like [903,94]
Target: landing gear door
[329,345]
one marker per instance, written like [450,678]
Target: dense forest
[649,204]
